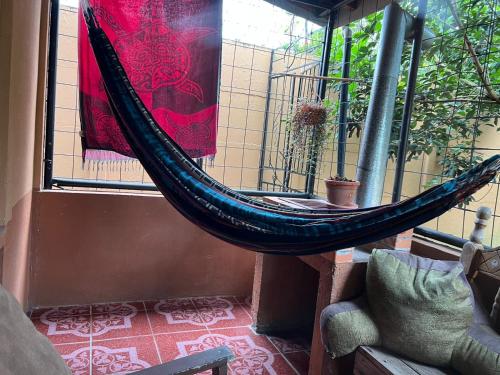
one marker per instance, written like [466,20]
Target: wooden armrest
[215,359]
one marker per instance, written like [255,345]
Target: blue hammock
[246,222]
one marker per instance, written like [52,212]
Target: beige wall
[98,247]
[19,42]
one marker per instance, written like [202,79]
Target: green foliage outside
[452,107]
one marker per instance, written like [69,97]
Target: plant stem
[483,76]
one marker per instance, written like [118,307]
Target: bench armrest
[215,359]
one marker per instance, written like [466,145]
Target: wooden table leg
[337,282]
[283,293]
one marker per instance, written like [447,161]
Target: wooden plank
[422,369]
[215,359]
[378,361]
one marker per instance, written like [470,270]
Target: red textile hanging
[171,53]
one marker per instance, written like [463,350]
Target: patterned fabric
[170,51]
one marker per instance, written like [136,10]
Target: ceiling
[317,11]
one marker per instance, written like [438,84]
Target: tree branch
[483,76]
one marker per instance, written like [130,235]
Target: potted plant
[341,191]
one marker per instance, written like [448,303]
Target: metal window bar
[260,89]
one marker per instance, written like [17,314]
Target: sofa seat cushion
[477,352]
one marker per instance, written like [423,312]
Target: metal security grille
[454,123]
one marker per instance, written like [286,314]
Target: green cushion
[422,307]
[347,325]
[477,352]
[23,350]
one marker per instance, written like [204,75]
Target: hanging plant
[309,124]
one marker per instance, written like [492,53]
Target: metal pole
[344,101]
[51,95]
[325,56]
[409,96]
[376,134]
[265,124]
[289,147]
[322,84]
[102,184]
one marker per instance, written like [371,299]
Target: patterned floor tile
[60,328]
[260,340]
[299,360]
[118,321]
[123,356]
[246,303]
[122,340]
[77,357]
[177,315]
[279,367]
[290,345]
[62,311]
[100,308]
[244,300]
[220,312]
[253,354]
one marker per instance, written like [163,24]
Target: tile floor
[120,338]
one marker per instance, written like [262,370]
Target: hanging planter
[341,191]
[309,124]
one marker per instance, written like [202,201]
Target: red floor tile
[76,356]
[220,312]
[122,321]
[279,367]
[253,354]
[123,356]
[100,308]
[244,300]
[178,315]
[62,310]
[61,329]
[260,340]
[122,340]
[168,343]
[289,345]
[299,360]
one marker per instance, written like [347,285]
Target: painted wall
[19,42]
[97,247]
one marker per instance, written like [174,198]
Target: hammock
[246,222]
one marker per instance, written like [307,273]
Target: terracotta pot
[341,193]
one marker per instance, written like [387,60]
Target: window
[271,62]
